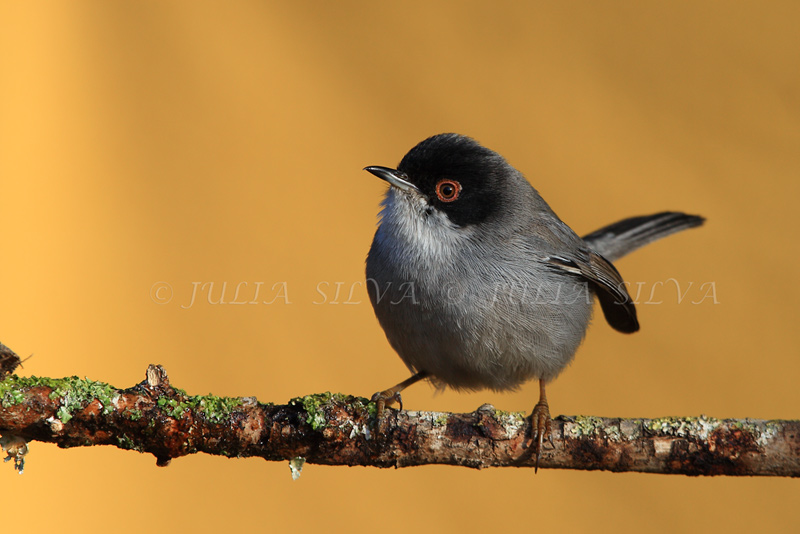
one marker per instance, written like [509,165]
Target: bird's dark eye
[448,190]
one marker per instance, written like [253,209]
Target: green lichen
[217,409]
[74,393]
[613,433]
[683,426]
[12,389]
[125,442]
[441,420]
[511,422]
[360,403]
[12,397]
[587,425]
[591,426]
[749,426]
[505,417]
[370,406]
[314,406]
[174,407]
[771,430]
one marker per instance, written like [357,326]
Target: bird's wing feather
[618,308]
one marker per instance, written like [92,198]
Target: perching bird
[479,285]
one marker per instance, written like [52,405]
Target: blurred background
[151,149]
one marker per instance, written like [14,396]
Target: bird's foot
[383,399]
[392,395]
[541,426]
[386,398]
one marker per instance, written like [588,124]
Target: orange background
[145,142]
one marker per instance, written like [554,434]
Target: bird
[478,284]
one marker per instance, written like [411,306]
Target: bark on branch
[328,429]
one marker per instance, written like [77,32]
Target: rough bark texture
[334,429]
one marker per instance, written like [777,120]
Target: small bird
[479,285]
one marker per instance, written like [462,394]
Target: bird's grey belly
[476,335]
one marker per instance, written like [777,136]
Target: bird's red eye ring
[448,190]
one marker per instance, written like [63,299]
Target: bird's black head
[457,176]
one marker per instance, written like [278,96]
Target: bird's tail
[618,239]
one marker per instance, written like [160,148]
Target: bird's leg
[392,395]
[540,423]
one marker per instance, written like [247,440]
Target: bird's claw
[391,396]
[386,398]
[383,399]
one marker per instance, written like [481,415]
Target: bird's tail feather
[618,239]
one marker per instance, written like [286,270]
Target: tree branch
[334,429]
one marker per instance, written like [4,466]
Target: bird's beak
[396,178]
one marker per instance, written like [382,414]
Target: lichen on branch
[334,429]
